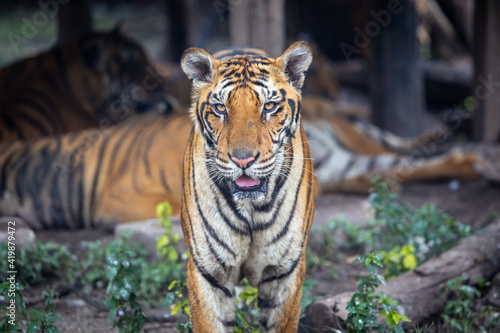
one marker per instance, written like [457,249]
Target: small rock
[22,233]
[318,318]
[454,185]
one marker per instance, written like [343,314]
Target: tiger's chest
[243,240]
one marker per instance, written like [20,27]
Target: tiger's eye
[269,106]
[220,107]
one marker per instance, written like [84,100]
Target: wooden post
[177,39]
[397,80]
[74,20]
[487,66]
[258,23]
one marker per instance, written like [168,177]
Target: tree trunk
[419,291]
[258,23]
[487,88]
[397,80]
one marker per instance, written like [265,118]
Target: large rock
[147,232]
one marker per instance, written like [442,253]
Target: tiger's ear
[198,65]
[295,62]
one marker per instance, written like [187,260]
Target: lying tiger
[102,177]
[97,80]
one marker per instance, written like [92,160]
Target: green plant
[43,322]
[124,310]
[36,261]
[9,322]
[93,266]
[399,260]
[431,232]
[322,247]
[425,329]
[164,243]
[364,306]
[407,235]
[463,313]
[37,321]
[176,297]
[247,310]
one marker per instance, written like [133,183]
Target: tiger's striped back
[95,177]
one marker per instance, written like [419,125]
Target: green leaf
[358,260]
[172,285]
[36,314]
[33,327]
[50,318]
[410,262]
[169,300]
[176,309]
[51,329]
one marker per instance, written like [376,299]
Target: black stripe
[287,273]
[228,222]
[3,172]
[56,202]
[34,123]
[280,181]
[285,228]
[81,195]
[207,225]
[95,182]
[23,179]
[187,188]
[266,303]
[228,323]
[347,167]
[10,124]
[163,181]
[211,279]
[267,225]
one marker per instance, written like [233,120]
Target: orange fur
[247,201]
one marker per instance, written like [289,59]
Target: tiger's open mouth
[247,184]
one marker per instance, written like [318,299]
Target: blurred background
[434,55]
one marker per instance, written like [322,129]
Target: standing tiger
[97,80]
[247,203]
[100,177]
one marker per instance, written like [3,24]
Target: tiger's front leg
[280,292]
[212,304]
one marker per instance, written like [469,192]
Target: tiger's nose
[243,163]
[242,160]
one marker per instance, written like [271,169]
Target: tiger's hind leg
[212,307]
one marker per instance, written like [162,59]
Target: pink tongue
[245,181]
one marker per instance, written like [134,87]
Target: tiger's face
[129,81]
[245,105]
